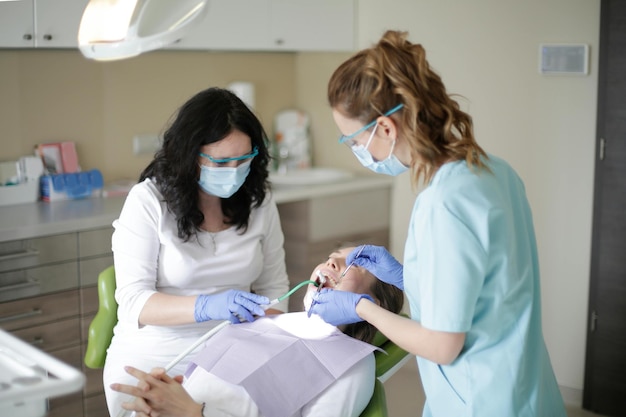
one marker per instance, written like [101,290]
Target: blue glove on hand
[229,305]
[378,261]
[337,307]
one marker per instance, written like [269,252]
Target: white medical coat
[150,257]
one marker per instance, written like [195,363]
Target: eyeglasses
[255,152]
[349,139]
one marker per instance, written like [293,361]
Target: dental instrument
[350,265]
[181,356]
[288,294]
[322,281]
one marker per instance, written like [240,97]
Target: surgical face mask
[223,181]
[389,166]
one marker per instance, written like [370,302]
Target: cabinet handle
[27,37]
[47,37]
[21,290]
[17,255]
[19,316]
[38,341]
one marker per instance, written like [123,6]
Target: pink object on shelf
[69,157]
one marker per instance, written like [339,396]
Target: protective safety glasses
[350,141]
[255,152]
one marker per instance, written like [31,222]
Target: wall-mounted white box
[564,59]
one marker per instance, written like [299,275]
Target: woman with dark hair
[265,369]
[198,239]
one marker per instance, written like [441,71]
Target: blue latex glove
[378,261]
[229,305]
[337,307]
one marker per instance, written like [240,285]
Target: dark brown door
[605,366]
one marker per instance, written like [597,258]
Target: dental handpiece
[320,285]
[322,279]
[282,297]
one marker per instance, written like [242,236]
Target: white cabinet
[312,25]
[40,23]
[275,25]
[17,26]
[231,25]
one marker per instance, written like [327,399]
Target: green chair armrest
[377,407]
[101,327]
[385,361]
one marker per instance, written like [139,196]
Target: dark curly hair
[205,118]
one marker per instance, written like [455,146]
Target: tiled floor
[405,397]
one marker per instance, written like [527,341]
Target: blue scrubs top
[471,266]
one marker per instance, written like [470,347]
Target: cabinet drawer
[71,356]
[94,384]
[68,405]
[89,269]
[85,322]
[94,242]
[361,211]
[53,336]
[30,282]
[96,406]
[334,217]
[37,310]
[88,303]
[26,253]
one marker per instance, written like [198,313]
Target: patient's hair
[389,297]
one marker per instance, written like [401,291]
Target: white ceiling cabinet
[312,25]
[230,25]
[275,25]
[40,23]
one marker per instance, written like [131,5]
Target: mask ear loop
[393,144]
[371,137]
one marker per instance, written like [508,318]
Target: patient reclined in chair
[282,365]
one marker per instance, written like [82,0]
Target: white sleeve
[349,395]
[135,245]
[272,281]
[221,398]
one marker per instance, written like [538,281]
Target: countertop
[29,220]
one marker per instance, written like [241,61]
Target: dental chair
[101,333]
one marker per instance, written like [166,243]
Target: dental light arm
[118,29]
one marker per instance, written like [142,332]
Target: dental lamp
[117,29]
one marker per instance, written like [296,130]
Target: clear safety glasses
[222,161]
[350,140]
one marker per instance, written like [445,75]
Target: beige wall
[48,96]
